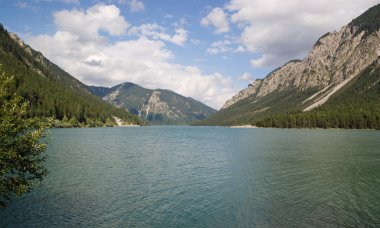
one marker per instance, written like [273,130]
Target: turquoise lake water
[205,177]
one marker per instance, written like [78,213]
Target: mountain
[51,91]
[336,85]
[157,106]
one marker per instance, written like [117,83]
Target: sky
[205,49]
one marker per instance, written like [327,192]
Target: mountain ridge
[330,72]
[334,61]
[157,106]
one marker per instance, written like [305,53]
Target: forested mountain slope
[157,106]
[51,91]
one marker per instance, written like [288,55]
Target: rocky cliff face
[341,61]
[250,91]
[154,106]
[335,59]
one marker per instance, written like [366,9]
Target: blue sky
[206,49]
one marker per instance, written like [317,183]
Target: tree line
[53,93]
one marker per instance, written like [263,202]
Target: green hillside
[51,91]
[357,105]
[158,107]
[250,110]
[368,21]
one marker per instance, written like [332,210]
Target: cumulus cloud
[283,30]
[240,48]
[157,32]
[228,45]
[93,59]
[246,77]
[136,5]
[217,18]
[221,46]
[86,25]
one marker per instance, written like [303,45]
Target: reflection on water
[205,177]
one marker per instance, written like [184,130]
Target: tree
[21,143]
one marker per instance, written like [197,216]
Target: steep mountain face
[36,61]
[155,106]
[99,91]
[51,91]
[334,62]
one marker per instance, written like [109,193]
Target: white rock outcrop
[334,60]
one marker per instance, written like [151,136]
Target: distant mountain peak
[158,106]
[127,85]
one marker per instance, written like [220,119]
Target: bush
[21,144]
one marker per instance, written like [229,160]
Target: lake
[205,177]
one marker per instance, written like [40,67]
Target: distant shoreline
[244,126]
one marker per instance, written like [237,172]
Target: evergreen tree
[51,91]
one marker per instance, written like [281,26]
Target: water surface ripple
[205,177]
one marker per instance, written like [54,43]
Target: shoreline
[121,123]
[244,126]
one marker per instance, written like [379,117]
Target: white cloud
[180,37]
[136,5]
[168,16]
[145,60]
[228,45]
[221,46]
[246,77]
[86,25]
[283,30]
[217,18]
[157,32]
[195,42]
[240,48]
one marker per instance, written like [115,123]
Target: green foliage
[132,97]
[21,143]
[252,109]
[325,119]
[52,92]
[356,106]
[368,21]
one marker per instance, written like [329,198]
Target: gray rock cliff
[335,59]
